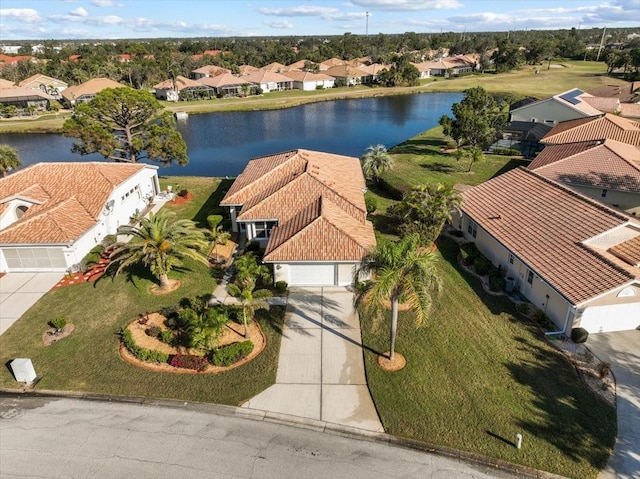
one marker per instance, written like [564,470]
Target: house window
[530,277]
[472,228]
[550,122]
[20,210]
[510,258]
[263,229]
[603,194]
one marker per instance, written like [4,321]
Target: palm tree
[248,269]
[425,210]
[251,300]
[474,155]
[219,236]
[161,245]
[375,161]
[402,272]
[205,327]
[9,159]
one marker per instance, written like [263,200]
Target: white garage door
[312,275]
[34,259]
[615,317]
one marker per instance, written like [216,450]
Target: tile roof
[545,224]
[34,81]
[211,70]
[609,164]
[69,198]
[630,110]
[6,83]
[625,93]
[22,92]
[299,75]
[90,87]
[628,251]
[274,67]
[265,76]
[577,99]
[609,105]
[331,62]
[345,71]
[180,84]
[312,195]
[595,128]
[226,79]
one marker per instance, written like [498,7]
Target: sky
[118,19]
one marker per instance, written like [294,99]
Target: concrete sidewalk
[20,291]
[321,367]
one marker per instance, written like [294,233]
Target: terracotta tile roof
[298,75]
[274,67]
[309,193]
[71,197]
[630,110]
[90,87]
[211,70]
[374,68]
[625,93]
[628,251]
[321,232]
[264,76]
[609,105]
[180,84]
[247,68]
[594,128]
[6,83]
[299,65]
[331,62]
[21,92]
[544,224]
[609,164]
[346,71]
[34,81]
[225,79]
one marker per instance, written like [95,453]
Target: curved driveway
[622,351]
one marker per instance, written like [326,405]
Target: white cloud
[407,5]
[301,11]
[280,24]
[89,20]
[79,12]
[102,3]
[26,15]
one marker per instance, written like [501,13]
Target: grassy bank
[563,76]
[88,360]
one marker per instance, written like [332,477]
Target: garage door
[312,274]
[615,317]
[34,259]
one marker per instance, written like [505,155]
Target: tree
[474,155]
[126,125]
[425,209]
[9,159]
[248,269]
[375,161]
[478,118]
[204,326]
[161,245]
[402,272]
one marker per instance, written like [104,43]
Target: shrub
[153,331]
[371,203]
[58,322]
[109,241]
[183,193]
[189,361]
[506,152]
[94,255]
[469,252]
[281,287]
[253,246]
[482,265]
[523,308]
[495,282]
[228,355]
[213,221]
[579,335]
[543,319]
[142,354]
[167,336]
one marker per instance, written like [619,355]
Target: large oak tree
[126,125]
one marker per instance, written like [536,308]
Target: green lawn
[88,360]
[477,374]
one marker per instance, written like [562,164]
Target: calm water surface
[221,144]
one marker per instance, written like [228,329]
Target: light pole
[366,14]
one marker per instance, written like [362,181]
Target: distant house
[49,85]
[269,81]
[208,71]
[25,99]
[274,67]
[600,127]
[373,71]
[307,209]
[309,81]
[52,214]
[12,60]
[424,68]
[569,105]
[330,63]
[347,75]
[182,88]
[606,170]
[627,93]
[227,85]
[572,257]
[6,83]
[87,91]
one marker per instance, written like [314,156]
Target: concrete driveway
[622,351]
[321,366]
[20,291]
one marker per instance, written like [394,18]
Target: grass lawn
[89,361]
[477,374]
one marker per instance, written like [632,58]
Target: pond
[221,144]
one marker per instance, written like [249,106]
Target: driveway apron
[622,351]
[20,291]
[321,366]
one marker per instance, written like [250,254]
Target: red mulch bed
[92,274]
[179,200]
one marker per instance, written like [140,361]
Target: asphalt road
[69,438]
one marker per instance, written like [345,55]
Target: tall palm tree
[248,269]
[251,300]
[9,159]
[402,271]
[161,245]
[375,161]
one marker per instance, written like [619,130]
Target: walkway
[321,367]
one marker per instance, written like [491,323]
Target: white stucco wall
[549,111]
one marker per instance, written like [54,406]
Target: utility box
[509,284]
[23,370]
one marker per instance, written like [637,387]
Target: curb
[294,421]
